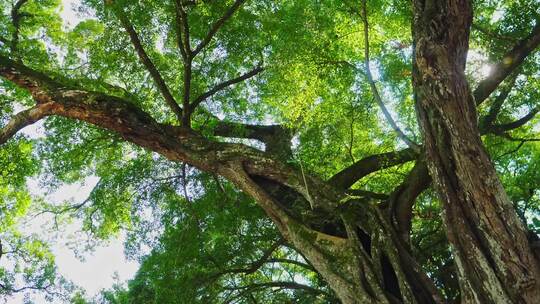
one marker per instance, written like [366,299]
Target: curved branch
[492,34]
[487,121]
[255,265]
[510,61]
[348,176]
[293,262]
[403,197]
[280,284]
[23,119]
[277,138]
[370,194]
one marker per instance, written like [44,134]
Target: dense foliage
[299,65]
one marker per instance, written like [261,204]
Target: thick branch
[224,85]
[348,176]
[147,62]
[509,63]
[276,138]
[217,25]
[374,89]
[23,119]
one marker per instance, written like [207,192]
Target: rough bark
[494,260]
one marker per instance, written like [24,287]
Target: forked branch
[501,128]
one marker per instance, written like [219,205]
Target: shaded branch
[149,65]
[402,199]
[16,17]
[279,284]
[255,265]
[348,176]
[293,262]
[365,193]
[182,31]
[217,25]
[224,85]
[187,57]
[515,124]
[510,61]
[374,89]
[277,138]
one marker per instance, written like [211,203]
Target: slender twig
[374,89]
[224,85]
[217,25]
[492,34]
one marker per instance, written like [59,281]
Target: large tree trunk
[494,260]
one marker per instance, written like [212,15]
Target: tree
[177,106]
